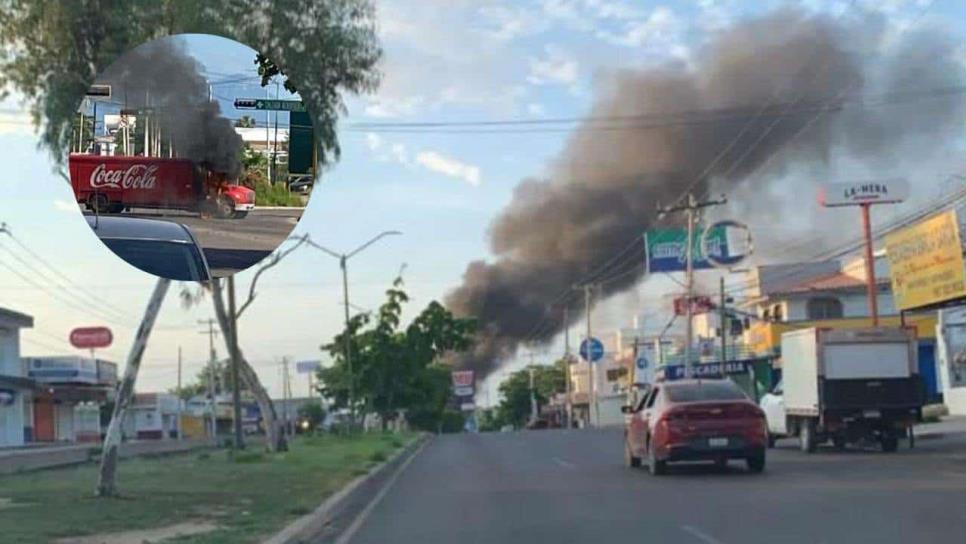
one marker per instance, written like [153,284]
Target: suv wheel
[756,463]
[629,460]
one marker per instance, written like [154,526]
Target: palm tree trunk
[274,441]
[107,480]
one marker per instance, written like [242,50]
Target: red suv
[694,420]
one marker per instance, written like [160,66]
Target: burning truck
[112,184]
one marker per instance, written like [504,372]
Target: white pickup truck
[846,386]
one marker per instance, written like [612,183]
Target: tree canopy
[51,51]
[514,407]
[394,367]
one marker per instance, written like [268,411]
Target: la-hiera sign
[91,337]
[926,262]
[888,191]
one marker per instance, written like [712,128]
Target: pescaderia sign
[926,262]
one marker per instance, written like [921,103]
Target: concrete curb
[308,527]
[300,208]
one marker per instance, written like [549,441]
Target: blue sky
[445,60]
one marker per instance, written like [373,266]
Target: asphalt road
[231,245]
[571,486]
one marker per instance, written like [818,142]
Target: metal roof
[136,228]
[19,319]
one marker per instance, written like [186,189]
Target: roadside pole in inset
[724,317]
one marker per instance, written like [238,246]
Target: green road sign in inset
[301,144]
[266,104]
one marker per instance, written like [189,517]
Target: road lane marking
[350,531]
[700,535]
[563,463]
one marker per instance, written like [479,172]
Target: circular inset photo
[189,159]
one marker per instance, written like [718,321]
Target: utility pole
[212,403]
[691,209]
[723,318]
[568,416]
[533,395]
[178,422]
[235,382]
[591,366]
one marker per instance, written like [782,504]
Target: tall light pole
[343,259]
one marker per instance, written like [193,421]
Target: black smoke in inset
[767,80]
[161,76]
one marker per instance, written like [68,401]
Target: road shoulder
[338,515]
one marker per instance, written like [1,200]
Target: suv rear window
[696,392]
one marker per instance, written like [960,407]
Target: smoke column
[604,188]
[161,75]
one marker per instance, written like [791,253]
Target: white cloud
[555,67]
[388,107]
[660,26]
[447,166]
[14,117]
[399,153]
[536,109]
[510,22]
[374,141]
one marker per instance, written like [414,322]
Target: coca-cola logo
[136,176]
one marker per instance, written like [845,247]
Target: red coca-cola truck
[112,184]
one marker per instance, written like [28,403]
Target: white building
[152,416]
[14,385]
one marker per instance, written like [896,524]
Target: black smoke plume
[749,102]
[159,75]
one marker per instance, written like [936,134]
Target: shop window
[824,308]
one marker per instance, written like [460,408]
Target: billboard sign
[699,305]
[887,191]
[726,243]
[307,367]
[926,262]
[91,337]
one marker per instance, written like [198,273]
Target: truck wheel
[239,215]
[890,443]
[806,436]
[224,207]
[116,207]
[98,203]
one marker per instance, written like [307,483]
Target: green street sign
[279,105]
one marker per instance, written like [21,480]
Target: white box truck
[847,386]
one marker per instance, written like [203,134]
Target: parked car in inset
[163,248]
[695,420]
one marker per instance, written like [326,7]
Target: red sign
[699,305]
[91,337]
[462,378]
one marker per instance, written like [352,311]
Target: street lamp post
[343,259]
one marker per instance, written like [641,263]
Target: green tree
[548,380]
[245,121]
[394,368]
[51,51]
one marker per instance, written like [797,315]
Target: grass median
[219,498]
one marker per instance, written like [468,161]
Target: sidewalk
[948,425]
[37,458]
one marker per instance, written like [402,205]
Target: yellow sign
[926,262]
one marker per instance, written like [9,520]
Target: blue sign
[706,370]
[642,362]
[595,352]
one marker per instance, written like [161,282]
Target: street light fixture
[343,258]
